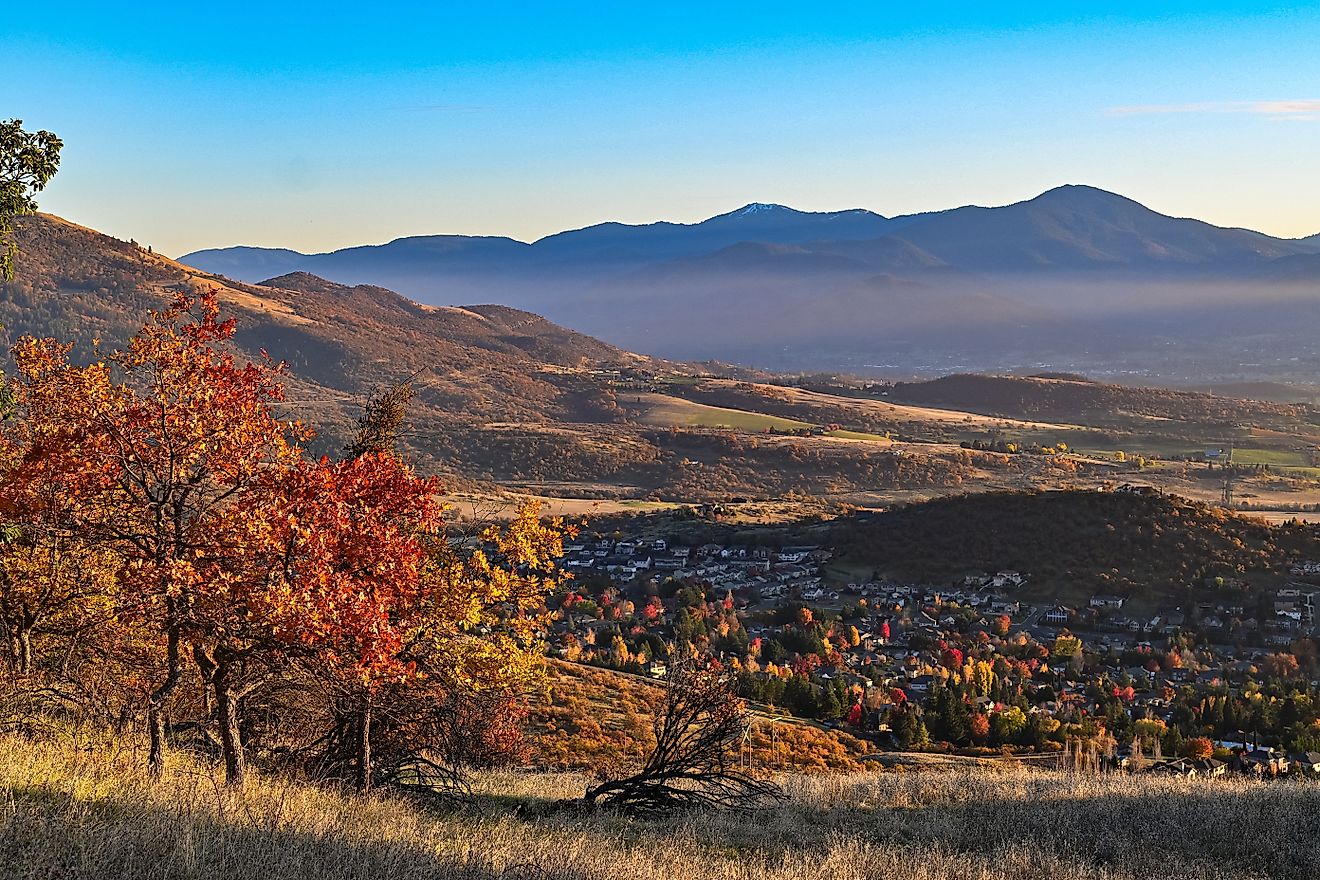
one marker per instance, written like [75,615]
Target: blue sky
[323,125]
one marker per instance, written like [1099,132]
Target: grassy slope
[660,409]
[594,718]
[79,810]
[666,411]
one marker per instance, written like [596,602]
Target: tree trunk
[231,743]
[24,651]
[18,627]
[157,701]
[364,768]
[156,730]
[220,670]
[206,668]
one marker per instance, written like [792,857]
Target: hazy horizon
[317,128]
[721,213]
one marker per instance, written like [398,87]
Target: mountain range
[506,398]
[1075,278]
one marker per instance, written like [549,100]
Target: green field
[1273,457]
[681,381]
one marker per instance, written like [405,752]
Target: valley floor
[73,809]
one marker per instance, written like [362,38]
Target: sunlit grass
[90,811]
[658,409]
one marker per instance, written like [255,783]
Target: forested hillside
[1073,543]
[1096,403]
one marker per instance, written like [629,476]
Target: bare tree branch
[698,729]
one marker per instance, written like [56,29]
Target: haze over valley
[509,402]
[1076,279]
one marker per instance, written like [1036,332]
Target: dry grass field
[74,809]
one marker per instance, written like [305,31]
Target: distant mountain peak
[1081,188]
[1083,194]
[759,208]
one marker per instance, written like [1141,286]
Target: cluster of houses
[1246,759]
[984,594]
[1107,615]
[630,379]
[1293,615]
[901,630]
[754,574]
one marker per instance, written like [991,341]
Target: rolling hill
[474,365]
[504,396]
[1073,543]
[507,399]
[1096,403]
[1075,277]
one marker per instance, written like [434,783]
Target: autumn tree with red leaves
[50,470]
[366,591]
[157,486]
[184,432]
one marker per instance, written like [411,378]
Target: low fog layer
[1076,279]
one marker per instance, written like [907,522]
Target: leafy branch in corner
[28,160]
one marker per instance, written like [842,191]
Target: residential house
[1183,767]
[1306,762]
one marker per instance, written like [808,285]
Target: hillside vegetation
[1072,543]
[1095,403]
[79,808]
[594,719]
[486,363]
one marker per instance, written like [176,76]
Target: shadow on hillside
[1271,830]
[48,834]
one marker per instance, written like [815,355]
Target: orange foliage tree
[362,586]
[194,435]
[50,581]
[1199,748]
[158,487]
[154,445]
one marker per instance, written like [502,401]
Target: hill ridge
[1074,268]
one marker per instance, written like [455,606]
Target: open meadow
[76,808]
